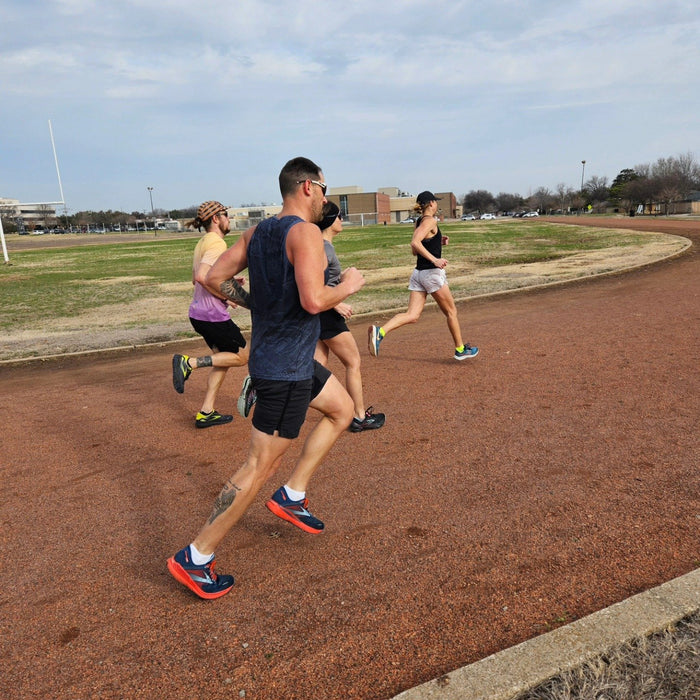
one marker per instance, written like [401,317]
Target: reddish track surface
[552,476]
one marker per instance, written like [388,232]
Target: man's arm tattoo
[223,501]
[233,291]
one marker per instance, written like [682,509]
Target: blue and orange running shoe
[374,337]
[294,512]
[201,580]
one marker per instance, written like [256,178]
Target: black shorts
[220,336]
[332,324]
[281,406]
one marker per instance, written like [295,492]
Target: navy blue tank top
[433,246]
[283,334]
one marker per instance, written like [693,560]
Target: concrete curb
[503,675]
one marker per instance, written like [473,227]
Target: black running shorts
[281,406]
[220,336]
[332,324]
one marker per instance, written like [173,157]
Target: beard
[316,213]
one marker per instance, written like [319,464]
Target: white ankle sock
[295,495]
[199,559]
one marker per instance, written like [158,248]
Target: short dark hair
[295,170]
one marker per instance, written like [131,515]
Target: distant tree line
[110,220]
[662,184]
[665,182]
[109,217]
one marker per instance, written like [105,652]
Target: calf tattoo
[224,500]
[204,361]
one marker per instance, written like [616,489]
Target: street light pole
[583,169]
[153,213]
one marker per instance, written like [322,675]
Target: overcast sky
[207,100]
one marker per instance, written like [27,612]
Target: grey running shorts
[428,281]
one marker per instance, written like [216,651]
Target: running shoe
[466,353]
[181,370]
[294,512]
[201,580]
[247,398]
[373,340]
[371,421]
[205,420]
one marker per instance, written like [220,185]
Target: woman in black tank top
[428,278]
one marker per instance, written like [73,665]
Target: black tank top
[284,334]
[433,246]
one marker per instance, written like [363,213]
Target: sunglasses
[223,213]
[322,185]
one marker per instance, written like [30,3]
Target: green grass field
[129,282]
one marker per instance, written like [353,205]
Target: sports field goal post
[17,207]
[368,219]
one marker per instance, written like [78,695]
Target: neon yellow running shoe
[181,370]
[205,420]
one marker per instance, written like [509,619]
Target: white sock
[199,559]
[295,495]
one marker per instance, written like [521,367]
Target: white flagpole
[4,247]
[60,187]
[58,172]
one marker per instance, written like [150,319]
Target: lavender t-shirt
[205,306]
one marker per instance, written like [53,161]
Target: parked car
[487,216]
[409,220]
[530,214]
[468,217]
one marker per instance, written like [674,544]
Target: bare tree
[674,179]
[641,190]
[541,200]
[667,181]
[508,202]
[596,190]
[565,196]
[668,194]
[478,200]
[689,171]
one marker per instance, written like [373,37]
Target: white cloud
[157,87]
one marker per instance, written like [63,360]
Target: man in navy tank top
[286,263]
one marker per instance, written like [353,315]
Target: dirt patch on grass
[583,264]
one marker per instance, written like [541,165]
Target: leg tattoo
[224,500]
[204,361]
